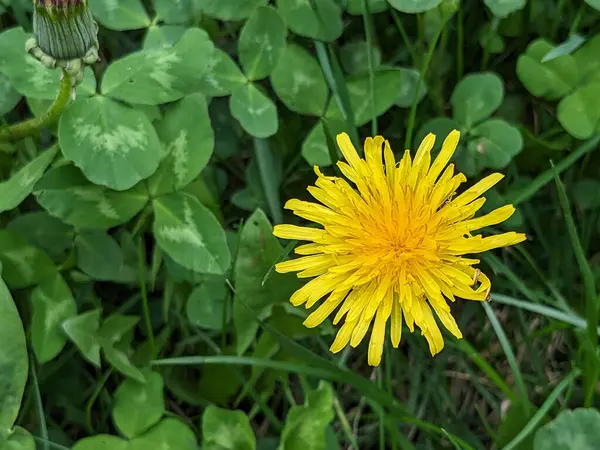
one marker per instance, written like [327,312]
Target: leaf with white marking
[315,149]
[19,439]
[321,20]
[255,111]
[414,6]
[53,304]
[225,429]
[160,75]
[408,88]
[386,87]
[30,77]
[169,434]
[299,82]
[14,190]
[83,332]
[115,346]
[44,231]
[355,7]
[354,57]
[222,77]
[120,15]
[189,139]
[100,257]
[493,144]
[9,97]
[190,234]
[261,42]
[258,251]
[163,36]
[206,305]
[229,9]
[305,425]
[23,265]
[13,362]
[502,8]
[476,97]
[138,406]
[114,145]
[65,193]
[173,11]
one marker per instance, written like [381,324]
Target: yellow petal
[373,155]
[377,293]
[447,319]
[430,330]
[477,189]
[299,233]
[348,171]
[298,264]
[390,163]
[477,244]
[343,337]
[328,283]
[396,328]
[325,309]
[378,333]
[424,148]
[348,150]
[308,249]
[443,157]
[494,217]
[351,300]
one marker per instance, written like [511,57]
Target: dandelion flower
[393,246]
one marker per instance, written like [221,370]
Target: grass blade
[524,194]
[464,346]
[39,406]
[540,413]
[413,110]
[267,170]
[510,356]
[284,255]
[337,83]
[50,444]
[552,313]
[368,25]
[334,154]
[500,268]
[452,440]
[591,361]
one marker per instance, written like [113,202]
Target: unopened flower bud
[66,35]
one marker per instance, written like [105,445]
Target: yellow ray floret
[392,247]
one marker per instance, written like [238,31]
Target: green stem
[413,110]
[142,277]
[32,126]
[591,298]
[92,400]
[40,407]
[557,18]
[369,36]
[460,42]
[577,20]
[405,39]
[346,427]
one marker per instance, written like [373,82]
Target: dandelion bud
[65,35]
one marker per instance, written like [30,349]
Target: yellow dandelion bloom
[392,247]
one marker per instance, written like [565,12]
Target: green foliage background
[139,308]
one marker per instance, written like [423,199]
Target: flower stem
[426,62]
[32,126]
